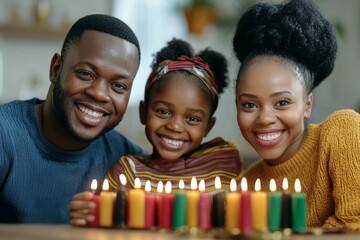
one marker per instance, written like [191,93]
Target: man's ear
[210,125]
[142,112]
[308,106]
[55,67]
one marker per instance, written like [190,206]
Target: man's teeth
[90,112]
[269,136]
[173,141]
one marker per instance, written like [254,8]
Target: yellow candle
[259,208]
[107,200]
[192,200]
[232,207]
[136,200]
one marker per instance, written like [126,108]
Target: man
[52,149]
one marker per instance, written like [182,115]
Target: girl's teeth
[173,142]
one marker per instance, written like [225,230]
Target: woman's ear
[308,106]
[210,125]
[55,67]
[142,112]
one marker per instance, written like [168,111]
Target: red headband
[194,65]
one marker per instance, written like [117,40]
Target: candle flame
[105,185]
[244,186]
[148,186]
[193,183]
[122,179]
[94,185]
[181,184]
[160,187]
[217,183]
[202,185]
[168,187]
[257,185]
[272,185]
[233,185]
[297,185]
[285,184]
[137,183]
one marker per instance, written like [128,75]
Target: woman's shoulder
[342,120]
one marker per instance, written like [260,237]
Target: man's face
[93,84]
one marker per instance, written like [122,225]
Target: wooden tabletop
[68,232]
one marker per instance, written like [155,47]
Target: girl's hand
[81,209]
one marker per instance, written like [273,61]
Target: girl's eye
[193,119]
[85,75]
[163,112]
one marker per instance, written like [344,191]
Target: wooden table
[68,232]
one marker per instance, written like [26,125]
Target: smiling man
[51,149]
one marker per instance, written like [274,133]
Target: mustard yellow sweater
[328,166]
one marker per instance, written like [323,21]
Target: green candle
[179,211]
[274,208]
[298,205]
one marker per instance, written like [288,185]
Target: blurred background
[31,31]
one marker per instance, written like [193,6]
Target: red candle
[95,199]
[120,203]
[165,203]
[285,205]
[150,205]
[204,207]
[245,208]
[218,205]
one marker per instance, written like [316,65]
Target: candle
[120,203]
[150,205]
[95,199]
[136,203]
[259,208]
[204,207]
[298,204]
[179,210]
[106,205]
[274,210]
[286,205]
[232,207]
[245,208]
[218,205]
[192,199]
[165,206]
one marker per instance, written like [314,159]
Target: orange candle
[232,207]
[107,200]
[245,208]
[95,199]
[192,200]
[150,205]
[136,203]
[259,208]
[204,207]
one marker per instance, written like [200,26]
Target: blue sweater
[37,179]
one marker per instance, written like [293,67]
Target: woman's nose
[266,116]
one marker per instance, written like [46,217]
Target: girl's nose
[175,124]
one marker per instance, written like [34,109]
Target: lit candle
[232,207]
[286,205]
[179,210]
[136,209]
[204,207]
[245,208]
[107,200]
[218,205]
[150,205]
[259,208]
[298,204]
[95,199]
[192,204]
[165,207]
[120,203]
[274,213]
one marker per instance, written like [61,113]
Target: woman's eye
[282,102]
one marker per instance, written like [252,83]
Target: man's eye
[85,74]
[249,105]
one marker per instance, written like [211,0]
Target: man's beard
[59,108]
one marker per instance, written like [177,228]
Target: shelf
[33,32]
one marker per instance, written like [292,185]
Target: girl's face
[271,108]
[177,116]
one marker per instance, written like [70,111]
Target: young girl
[286,50]
[181,96]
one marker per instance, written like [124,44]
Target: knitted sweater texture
[328,166]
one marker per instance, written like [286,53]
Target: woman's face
[271,108]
